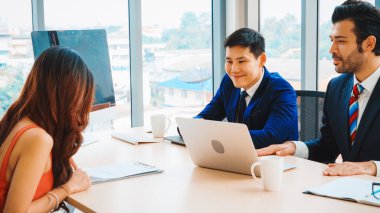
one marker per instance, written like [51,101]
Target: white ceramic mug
[271,168]
[160,124]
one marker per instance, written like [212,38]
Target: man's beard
[351,64]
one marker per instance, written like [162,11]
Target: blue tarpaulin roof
[175,83]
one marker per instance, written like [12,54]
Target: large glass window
[280,24]
[176,57]
[111,15]
[326,69]
[16,55]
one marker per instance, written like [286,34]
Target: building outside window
[198,96]
[110,15]
[184,94]
[16,53]
[177,58]
[281,28]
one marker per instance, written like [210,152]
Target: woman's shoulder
[37,136]
[34,138]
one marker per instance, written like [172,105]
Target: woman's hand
[78,182]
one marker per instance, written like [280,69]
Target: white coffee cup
[271,168]
[160,124]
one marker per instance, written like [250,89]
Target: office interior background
[167,56]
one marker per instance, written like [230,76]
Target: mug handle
[169,122]
[253,170]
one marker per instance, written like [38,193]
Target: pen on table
[373,193]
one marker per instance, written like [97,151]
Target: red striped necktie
[353,111]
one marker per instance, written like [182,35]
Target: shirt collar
[251,91]
[370,82]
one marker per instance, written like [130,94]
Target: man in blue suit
[250,94]
[351,111]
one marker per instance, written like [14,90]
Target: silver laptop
[220,145]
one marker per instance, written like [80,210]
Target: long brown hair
[57,96]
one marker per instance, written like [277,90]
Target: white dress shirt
[368,84]
[251,91]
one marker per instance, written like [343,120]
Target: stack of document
[347,188]
[92,137]
[120,171]
[134,138]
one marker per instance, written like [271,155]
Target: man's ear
[369,43]
[262,59]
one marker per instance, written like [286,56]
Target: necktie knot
[243,94]
[357,90]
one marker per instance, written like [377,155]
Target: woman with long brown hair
[41,131]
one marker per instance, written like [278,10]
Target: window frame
[136,79]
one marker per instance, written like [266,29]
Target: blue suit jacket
[271,115]
[334,138]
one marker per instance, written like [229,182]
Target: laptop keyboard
[176,139]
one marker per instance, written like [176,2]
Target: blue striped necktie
[353,111]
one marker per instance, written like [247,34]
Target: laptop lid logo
[217,146]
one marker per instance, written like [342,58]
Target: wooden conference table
[184,187]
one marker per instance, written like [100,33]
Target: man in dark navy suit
[250,94]
[351,111]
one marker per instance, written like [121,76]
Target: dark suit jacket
[271,115]
[334,138]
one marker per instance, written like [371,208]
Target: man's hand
[351,168]
[287,148]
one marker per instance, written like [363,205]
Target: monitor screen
[92,46]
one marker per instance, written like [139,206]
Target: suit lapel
[234,104]
[343,114]
[366,122]
[257,96]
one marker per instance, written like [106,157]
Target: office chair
[310,111]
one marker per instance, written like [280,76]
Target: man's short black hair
[365,17]
[246,37]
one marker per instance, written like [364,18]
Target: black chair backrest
[310,110]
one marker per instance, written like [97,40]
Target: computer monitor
[92,46]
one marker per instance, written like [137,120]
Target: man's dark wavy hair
[366,18]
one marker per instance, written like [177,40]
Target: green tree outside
[14,80]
